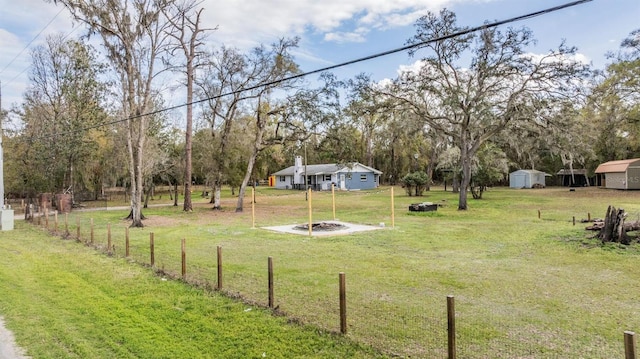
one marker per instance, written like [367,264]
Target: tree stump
[614,228]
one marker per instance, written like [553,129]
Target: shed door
[343,185]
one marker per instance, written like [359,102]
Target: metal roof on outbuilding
[617,166]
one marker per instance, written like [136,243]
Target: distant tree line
[471,109]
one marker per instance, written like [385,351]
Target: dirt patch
[8,347]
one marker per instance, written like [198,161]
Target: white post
[6,214]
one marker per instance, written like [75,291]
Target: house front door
[343,185]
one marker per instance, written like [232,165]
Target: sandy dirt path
[8,347]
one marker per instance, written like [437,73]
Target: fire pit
[320,226]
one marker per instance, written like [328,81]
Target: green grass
[524,286]
[65,300]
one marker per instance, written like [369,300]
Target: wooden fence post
[66,224]
[270,276]
[184,259]
[46,218]
[151,249]
[126,242]
[91,232]
[539,214]
[310,210]
[55,223]
[451,327]
[629,345]
[109,238]
[574,220]
[253,207]
[393,210]
[333,199]
[219,268]
[343,304]
[78,228]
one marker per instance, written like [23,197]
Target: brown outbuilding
[622,174]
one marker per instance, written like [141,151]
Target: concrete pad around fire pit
[331,228]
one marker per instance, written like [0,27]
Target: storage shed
[527,179]
[573,178]
[623,174]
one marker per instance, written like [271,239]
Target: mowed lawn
[527,283]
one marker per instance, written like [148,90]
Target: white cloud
[546,58]
[338,20]
[340,37]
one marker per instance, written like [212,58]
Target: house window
[283,178]
[349,176]
[363,178]
[327,177]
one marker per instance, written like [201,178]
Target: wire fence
[394,317]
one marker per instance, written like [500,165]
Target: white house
[527,179]
[351,176]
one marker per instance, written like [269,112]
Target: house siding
[616,180]
[633,178]
[353,180]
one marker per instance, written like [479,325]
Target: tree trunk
[188,205]
[465,162]
[217,188]
[261,121]
[175,194]
[614,227]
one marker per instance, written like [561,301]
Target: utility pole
[6,214]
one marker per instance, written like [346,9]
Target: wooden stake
[253,208]
[270,276]
[109,238]
[66,224]
[451,327]
[78,228]
[91,233]
[333,199]
[184,260]
[55,222]
[393,210]
[343,304]
[152,249]
[629,345]
[126,242]
[219,267]
[310,216]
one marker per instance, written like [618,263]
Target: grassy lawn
[525,287]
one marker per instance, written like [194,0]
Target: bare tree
[186,31]
[134,34]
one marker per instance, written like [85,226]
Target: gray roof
[324,169]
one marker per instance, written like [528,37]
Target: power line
[27,68]
[343,64]
[30,42]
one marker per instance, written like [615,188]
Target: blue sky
[334,31]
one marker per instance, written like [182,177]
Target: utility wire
[30,42]
[27,68]
[343,64]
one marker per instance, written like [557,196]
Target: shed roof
[532,172]
[616,166]
[568,172]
